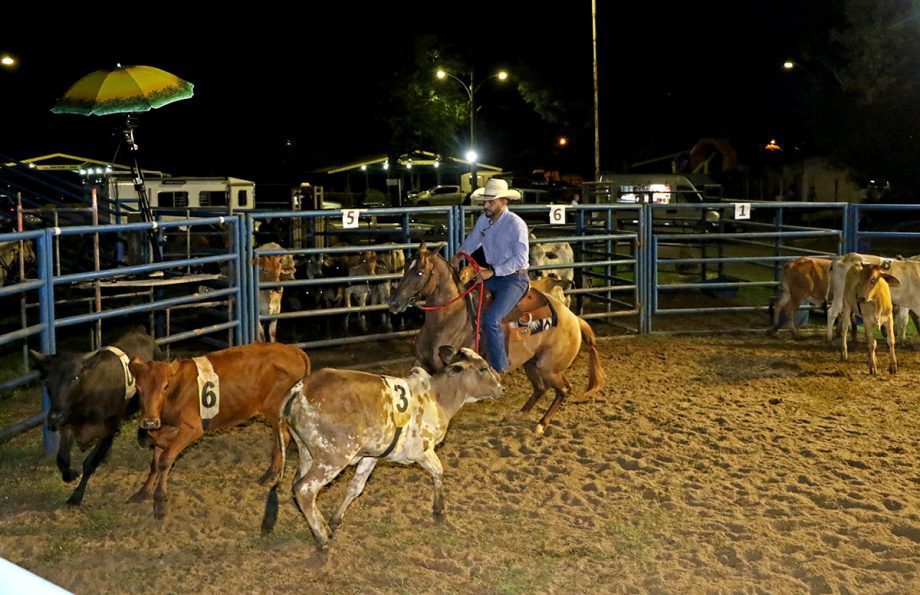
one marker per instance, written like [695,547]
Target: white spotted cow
[343,417]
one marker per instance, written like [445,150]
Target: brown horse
[545,356]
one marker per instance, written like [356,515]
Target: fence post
[236,235]
[644,266]
[250,303]
[46,318]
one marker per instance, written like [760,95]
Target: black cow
[91,393]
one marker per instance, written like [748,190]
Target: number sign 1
[557,214]
[742,210]
[350,218]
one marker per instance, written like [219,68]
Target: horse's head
[416,283]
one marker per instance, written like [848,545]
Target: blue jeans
[506,293]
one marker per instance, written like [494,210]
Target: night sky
[670,74]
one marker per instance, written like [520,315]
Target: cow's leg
[432,464]
[68,474]
[272,331]
[90,463]
[362,472]
[261,332]
[844,332]
[892,361]
[560,384]
[901,317]
[305,490]
[869,330]
[539,386]
[185,436]
[147,489]
[778,308]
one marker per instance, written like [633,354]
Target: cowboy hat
[494,188]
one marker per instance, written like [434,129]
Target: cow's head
[471,374]
[63,380]
[153,380]
[415,281]
[364,263]
[868,284]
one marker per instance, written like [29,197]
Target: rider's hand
[456,260]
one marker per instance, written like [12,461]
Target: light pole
[471,90]
[791,64]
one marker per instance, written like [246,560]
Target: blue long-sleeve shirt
[505,243]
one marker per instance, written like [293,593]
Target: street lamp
[791,64]
[471,90]
[7,61]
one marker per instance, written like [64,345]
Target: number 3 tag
[557,214]
[350,218]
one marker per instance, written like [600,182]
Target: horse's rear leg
[539,387]
[562,387]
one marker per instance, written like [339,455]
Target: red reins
[479,284]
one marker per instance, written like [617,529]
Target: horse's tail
[596,376]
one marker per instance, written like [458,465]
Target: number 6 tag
[557,214]
[350,218]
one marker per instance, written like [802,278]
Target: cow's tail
[270,516]
[596,376]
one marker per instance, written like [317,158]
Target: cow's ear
[453,369]
[137,366]
[892,280]
[447,353]
[40,360]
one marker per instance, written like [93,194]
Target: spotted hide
[343,417]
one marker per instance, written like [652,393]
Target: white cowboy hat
[494,188]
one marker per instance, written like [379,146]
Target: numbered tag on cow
[130,384]
[557,214]
[208,391]
[398,391]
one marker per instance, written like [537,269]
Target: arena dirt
[707,465]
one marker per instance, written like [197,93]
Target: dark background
[281,91]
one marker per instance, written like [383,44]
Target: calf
[906,296]
[272,269]
[183,398]
[874,301]
[389,262]
[360,265]
[91,393]
[554,287]
[342,418]
[803,278]
[552,253]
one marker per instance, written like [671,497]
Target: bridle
[480,284]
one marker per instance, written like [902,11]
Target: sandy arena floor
[707,465]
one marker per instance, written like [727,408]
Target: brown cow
[803,278]
[342,418]
[178,404]
[873,299]
[272,269]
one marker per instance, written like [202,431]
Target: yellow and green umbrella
[125,89]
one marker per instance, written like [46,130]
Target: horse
[545,356]
[10,253]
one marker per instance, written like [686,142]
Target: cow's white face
[475,377]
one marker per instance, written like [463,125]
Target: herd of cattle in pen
[338,418]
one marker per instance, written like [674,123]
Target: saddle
[534,313]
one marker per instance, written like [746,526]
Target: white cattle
[906,297]
[559,254]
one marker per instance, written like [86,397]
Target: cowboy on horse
[504,240]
